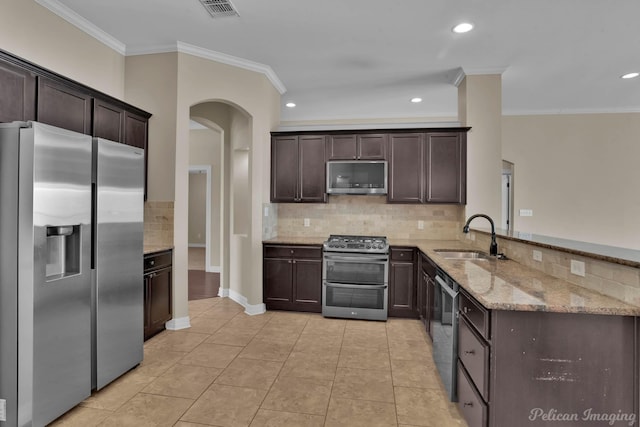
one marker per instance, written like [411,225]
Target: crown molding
[88,27]
[457,77]
[233,61]
[569,111]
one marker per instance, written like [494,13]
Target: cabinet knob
[354,157]
[470,352]
[289,261]
[294,261]
[291,251]
[470,404]
[152,262]
[466,310]
[401,254]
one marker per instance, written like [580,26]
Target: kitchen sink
[462,255]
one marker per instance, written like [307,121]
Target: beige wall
[480,107]
[151,84]
[199,80]
[579,174]
[205,149]
[197,208]
[32,32]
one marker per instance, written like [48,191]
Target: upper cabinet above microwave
[357,147]
[422,165]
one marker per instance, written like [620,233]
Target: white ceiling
[357,59]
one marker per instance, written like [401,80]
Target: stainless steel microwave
[357,177]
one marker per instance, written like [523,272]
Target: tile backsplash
[611,279]
[369,215]
[158,223]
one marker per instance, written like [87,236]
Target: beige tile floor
[276,369]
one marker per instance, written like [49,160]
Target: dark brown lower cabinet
[292,277]
[402,282]
[157,292]
[543,369]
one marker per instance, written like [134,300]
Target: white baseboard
[197,245]
[223,293]
[250,309]
[179,323]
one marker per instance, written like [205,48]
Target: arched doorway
[230,213]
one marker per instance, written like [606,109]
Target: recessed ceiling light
[463,27]
[290,104]
[630,75]
[416,100]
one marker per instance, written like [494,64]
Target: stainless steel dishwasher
[445,331]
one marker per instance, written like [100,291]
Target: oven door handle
[372,260]
[352,286]
[445,287]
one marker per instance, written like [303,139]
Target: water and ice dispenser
[63,251]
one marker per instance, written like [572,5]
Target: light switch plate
[420,224]
[526,212]
[307,222]
[3,410]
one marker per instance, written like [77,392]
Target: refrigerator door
[54,272]
[118,259]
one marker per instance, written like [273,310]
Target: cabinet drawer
[474,355]
[157,260]
[477,315]
[473,409]
[308,252]
[402,254]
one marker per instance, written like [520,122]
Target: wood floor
[201,284]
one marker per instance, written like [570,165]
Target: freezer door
[54,291]
[118,259]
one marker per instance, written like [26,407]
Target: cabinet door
[135,130]
[159,299]
[406,168]
[63,106]
[284,169]
[278,281]
[372,147]
[312,186]
[108,121]
[308,284]
[402,290]
[446,168]
[17,94]
[342,147]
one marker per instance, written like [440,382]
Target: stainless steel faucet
[493,249]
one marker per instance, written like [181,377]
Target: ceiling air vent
[219,8]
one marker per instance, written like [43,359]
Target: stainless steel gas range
[355,273]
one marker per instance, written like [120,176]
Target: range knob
[368,246]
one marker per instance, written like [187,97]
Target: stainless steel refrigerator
[67,322]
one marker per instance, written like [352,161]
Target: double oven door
[354,285]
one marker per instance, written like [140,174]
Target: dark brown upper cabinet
[446,168]
[357,147]
[108,121]
[135,130]
[17,93]
[406,168]
[428,168]
[298,168]
[64,106]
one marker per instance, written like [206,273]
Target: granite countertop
[149,249]
[508,285]
[505,284]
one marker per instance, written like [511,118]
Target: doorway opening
[507,195]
